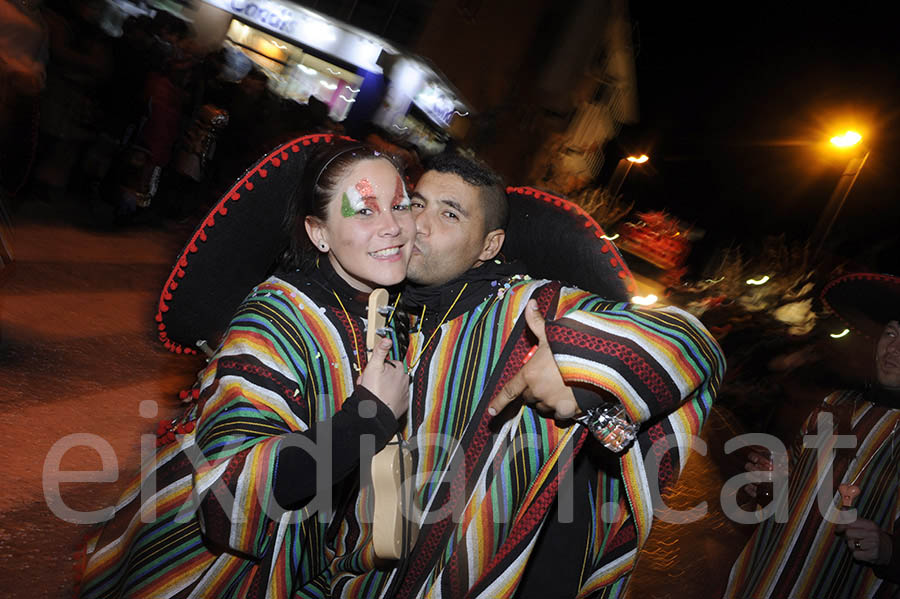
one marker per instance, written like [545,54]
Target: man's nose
[423,223]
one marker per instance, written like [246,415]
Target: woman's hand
[387,379]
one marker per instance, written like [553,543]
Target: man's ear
[315,229]
[493,241]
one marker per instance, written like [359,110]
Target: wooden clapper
[392,533]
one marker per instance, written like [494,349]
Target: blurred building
[550,82]
[337,53]
[535,87]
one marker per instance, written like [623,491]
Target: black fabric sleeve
[891,570]
[587,398]
[295,473]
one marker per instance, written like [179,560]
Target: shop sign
[307,28]
[271,15]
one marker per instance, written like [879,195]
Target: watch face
[610,425]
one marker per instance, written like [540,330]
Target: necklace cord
[352,330]
[437,328]
[394,310]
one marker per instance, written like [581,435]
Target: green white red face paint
[400,200]
[362,196]
[357,198]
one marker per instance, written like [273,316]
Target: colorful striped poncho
[210,526]
[486,485]
[804,558]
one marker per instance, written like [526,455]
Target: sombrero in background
[865,301]
[234,248]
[558,240]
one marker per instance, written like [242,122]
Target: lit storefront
[420,105]
[307,54]
[296,74]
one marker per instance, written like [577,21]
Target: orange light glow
[848,139]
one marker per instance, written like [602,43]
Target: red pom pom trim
[618,264]
[202,233]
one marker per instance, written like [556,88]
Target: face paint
[364,188]
[367,249]
[400,197]
[358,197]
[351,203]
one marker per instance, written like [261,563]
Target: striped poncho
[804,558]
[486,484]
[210,526]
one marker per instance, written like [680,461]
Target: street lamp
[847,140]
[829,214]
[622,170]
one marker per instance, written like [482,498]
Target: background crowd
[142,127]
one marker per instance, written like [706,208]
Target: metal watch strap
[610,425]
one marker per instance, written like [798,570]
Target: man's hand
[867,541]
[758,460]
[538,382]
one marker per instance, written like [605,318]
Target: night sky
[737,103]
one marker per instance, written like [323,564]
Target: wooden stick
[377,299]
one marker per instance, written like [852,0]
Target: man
[487,477]
[828,552]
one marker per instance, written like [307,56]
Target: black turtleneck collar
[480,282]
[321,282]
[880,396]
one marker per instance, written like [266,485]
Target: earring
[322,245]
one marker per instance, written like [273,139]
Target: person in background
[813,554]
[23,56]
[79,64]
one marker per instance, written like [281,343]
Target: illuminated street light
[847,140]
[622,170]
[829,214]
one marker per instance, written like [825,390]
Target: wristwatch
[610,424]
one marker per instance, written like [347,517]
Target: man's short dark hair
[477,173]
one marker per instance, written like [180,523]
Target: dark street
[78,354]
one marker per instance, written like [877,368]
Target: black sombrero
[199,307]
[554,237]
[558,240]
[865,301]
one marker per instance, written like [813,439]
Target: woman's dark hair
[325,167]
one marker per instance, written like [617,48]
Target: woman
[239,508]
